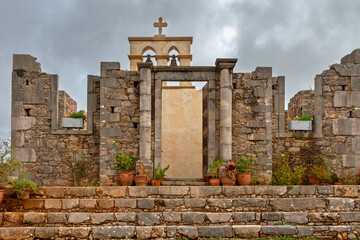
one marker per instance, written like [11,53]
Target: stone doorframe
[221,72]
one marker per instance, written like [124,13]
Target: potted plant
[23,186]
[230,174]
[318,172]
[243,175]
[126,165]
[75,120]
[335,179]
[8,164]
[214,172]
[141,179]
[159,174]
[302,123]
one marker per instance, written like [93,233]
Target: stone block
[174,190]
[256,124]
[193,217]
[236,191]
[88,203]
[271,216]
[143,232]
[34,217]
[31,94]
[195,202]
[111,132]
[105,203]
[75,232]
[25,154]
[55,192]
[125,203]
[263,72]
[346,190]
[145,203]
[323,217]
[295,204]
[171,231]
[17,233]
[25,62]
[46,232]
[342,99]
[159,231]
[111,191]
[220,203]
[305,231]
[53,203]
[54,217]
[278,230]
[218,217]
[301,190]
[188,231]
[143,191]
[341,204]
[99,218]
[70,203]
[351,161]
[243,216]
[355,83]
[340,229]
[33,203]
[261,108]
[205,191]
[353,57]
[346,126]
[349,216]
[80,191]
[172,216]
[77,218]
[260,92]
[13,217]
[105,66]
[215,231]
[355,145]
[257,137]
[109,232]
[355,98]
[148,218]
[296,217]
[271,190]
[339,148]
[347,70]
[325,190]
[247,231]
[125,217]
[169,202]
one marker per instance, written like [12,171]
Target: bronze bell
[148,58]
[173,61]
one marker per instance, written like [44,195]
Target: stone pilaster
[281,105]
[318,107]
[145,113]
[225,67]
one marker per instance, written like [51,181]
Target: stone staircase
[183,212]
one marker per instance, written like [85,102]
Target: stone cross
[160,25]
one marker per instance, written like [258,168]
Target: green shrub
[124,162]
[77,115]
[283,174]
[304,118]
[8,162]
[243,164]
[159,172]
[23,183]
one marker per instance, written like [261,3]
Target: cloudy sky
[299,39]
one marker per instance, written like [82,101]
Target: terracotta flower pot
[126,178]
[26,195]
[337,183]
[141,180]
[214,182]
[207,178]
[243,179]
[156,182]
[314,180]
[2,192]
[226,181]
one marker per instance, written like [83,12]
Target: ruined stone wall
[301,104]
[67,105]
[119,118]
[48,157]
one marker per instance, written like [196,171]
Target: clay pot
[243,179]
[126,178]
[314,180]
[337,183]
[226,181]
[2,192]
[214,182]
[156,182]
[141,180]
[207,178]
[26,195]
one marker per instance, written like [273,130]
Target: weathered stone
[34,217]
[26,155]
[125,203]
[296,217]
[17,232]
[247,231]
[256,124]
[25,62]
[187,231]
[305,231]
[355,83]
[263,72]
[80,191]
[323,217]
[33,203]
[143,191]
[349,217]
[205,191]
[46,232]
[148,219]
[87,203]
[105,203]
[271,190]
[77,232]
[53,203]
[173,190]
[53,217]
[342,99]
[169,202]
[113,191]
[346,190]
[325,190]
[98,218]
[347,70]
[353,57]
[243,216]
[14,217]
[250,202]
[220,203]
[172,216]
[70,203]
[271,216]
[301,190]
[109,232]
[171,231]
[77,218]
[218,217]
[125,217]
[351,160]
[143,232]
[346,126]
[340,229]
[341,204]
[145,203]
[355,145]
[215,231]
[193,217]
[260,92]
[279,230]
[289,204]
[235,191]
[195,202]
[55,192]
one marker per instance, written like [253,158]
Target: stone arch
[173,48]
[148,48]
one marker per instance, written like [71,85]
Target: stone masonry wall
[301,104]
[47,157]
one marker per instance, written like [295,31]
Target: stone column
[225,67]
[145,114]
[318,107]
[281,105]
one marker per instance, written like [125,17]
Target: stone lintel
[142,39]
[26,63]
[144,65]
[229,63]
[265,72]
[104,66]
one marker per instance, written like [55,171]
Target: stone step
[181,231]
[179,203]
[176,218]
[181,183]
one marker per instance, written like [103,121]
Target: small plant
[357,177]
[140,169]
[257,181]
[304,118]
[124,162]
[335,177]
[243,164]
[348,180]
[321,173]
[283,174]
[22,184]
[77,115]
[8,162]
[159,172]
[214,168]
[230,170]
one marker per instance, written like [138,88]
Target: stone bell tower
[162,46]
